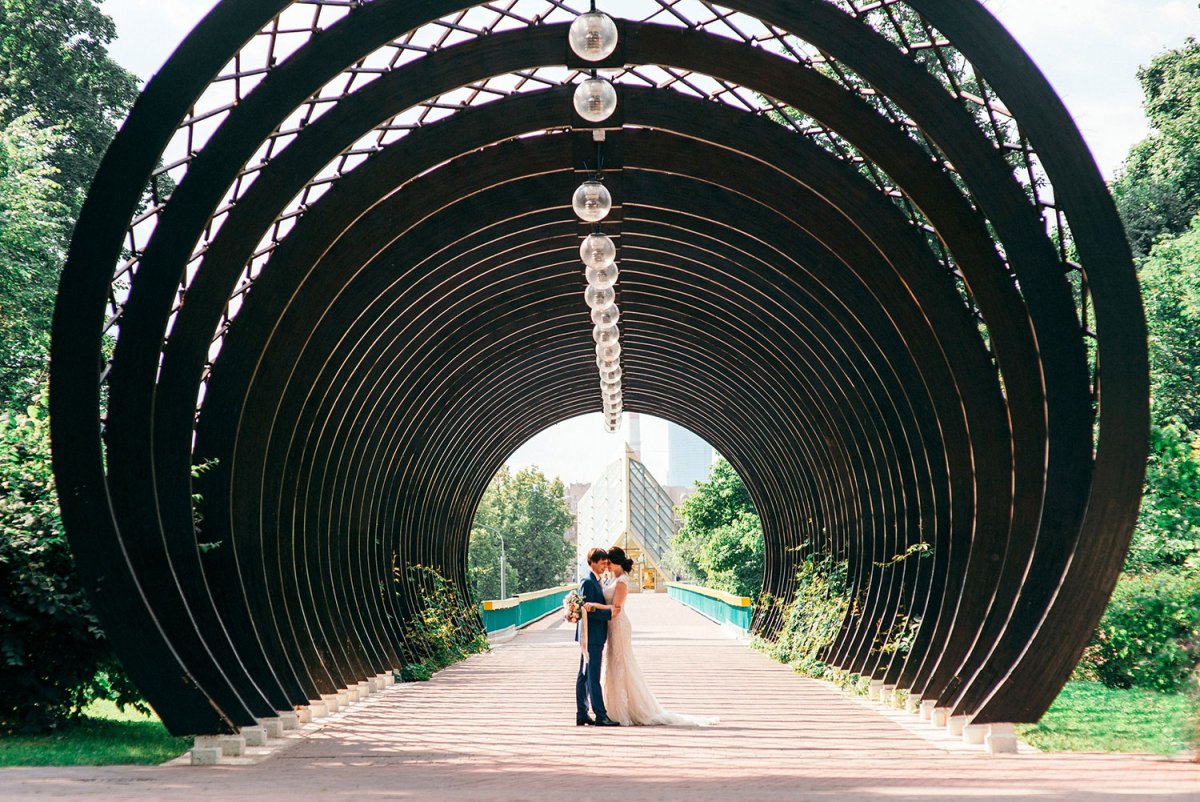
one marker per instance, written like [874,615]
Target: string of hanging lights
[593,37]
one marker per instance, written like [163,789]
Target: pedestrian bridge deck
[500,726]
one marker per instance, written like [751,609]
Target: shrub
[813,618]
[54,658]
[444,630]
[1148,635]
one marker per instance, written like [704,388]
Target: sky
[1089,50]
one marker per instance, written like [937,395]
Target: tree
[529,510]
[721,540]
[32,229]
[1170,279]
[1158,189]
[54,64]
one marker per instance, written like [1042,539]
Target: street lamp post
[503,581]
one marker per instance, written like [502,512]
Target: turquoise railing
[522,608]
[722,607]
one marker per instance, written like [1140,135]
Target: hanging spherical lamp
[606,318]
[612,375]
[598,251]
[597,298]
[610,352]
[595,99]
[593,36]
[610,335]
[592,201]
[602,278]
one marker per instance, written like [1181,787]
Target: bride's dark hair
[617,555]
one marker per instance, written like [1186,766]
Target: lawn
[1088,717]
[105,736]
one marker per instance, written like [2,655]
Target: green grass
[1088,717]
[105,736]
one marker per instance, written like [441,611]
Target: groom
[587,684]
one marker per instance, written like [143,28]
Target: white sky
[1089,49]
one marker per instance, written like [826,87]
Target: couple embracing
[618,694]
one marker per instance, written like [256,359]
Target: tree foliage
[53,657]
[54,65]
[1158,189]
[720,543]
[529,511]
[1170,279]
[33,225]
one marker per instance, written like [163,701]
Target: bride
[626,694]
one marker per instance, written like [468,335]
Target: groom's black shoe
[607,722]
[580,722]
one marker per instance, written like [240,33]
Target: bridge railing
[717,605]
[522,608]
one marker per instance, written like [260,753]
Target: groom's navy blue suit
[587,684]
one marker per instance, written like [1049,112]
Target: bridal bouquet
[573,606]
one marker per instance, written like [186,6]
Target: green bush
[443,631]
[1148,636]
[813,618]
[54,659]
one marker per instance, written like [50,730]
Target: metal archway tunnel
[331,258]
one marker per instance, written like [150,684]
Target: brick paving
[500,726]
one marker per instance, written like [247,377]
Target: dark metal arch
[859,359]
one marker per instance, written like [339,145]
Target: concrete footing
[273,726]
[955,724]
[875,690]
[305,714]
[332,704]
[887,694]
[912,704]
[365,689]
[974,733]
[205,755]
[290,719]
[343,699]
[227,745]
[255,736]
[938,716]
[389,679]
[927,706]
[1001,739]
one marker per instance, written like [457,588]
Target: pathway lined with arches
[500,726]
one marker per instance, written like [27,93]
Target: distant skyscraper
[635,433]
[689,457]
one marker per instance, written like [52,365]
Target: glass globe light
[592,201]
[613,402]
[609,388]
[615,411]
[595,99]
[593,36]
[599,299]
[602,278]
[612,375]
[606,318]
[605,363]
[598,251]
[610,352]
[612,425]
[609,335]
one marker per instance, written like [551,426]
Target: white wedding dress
[626,695]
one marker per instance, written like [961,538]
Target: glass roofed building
[626,507]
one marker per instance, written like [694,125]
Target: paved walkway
[500,726]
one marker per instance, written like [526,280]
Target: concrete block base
[365,689]
[227,745]
[927,706]
[888,695]
[939,716]
[255,736]
[912,704]
[1001,739]
[317,709]
[272,726]
[344,699]
[332,703]
[955,724]
[376,684]
[205,755]
[290,719]
[389,679]
[974,733]
[875,690]
[305,714]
